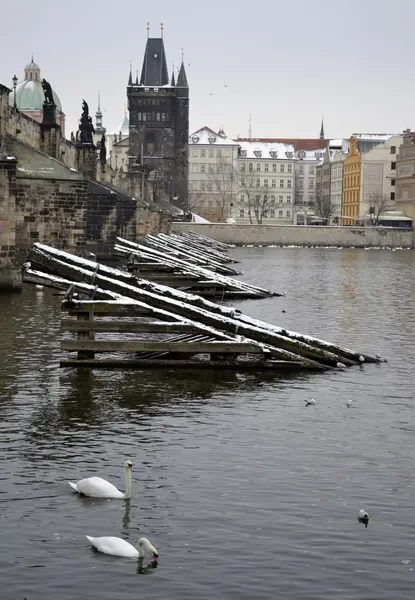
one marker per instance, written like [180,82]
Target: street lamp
[14,90]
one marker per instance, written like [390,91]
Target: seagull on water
[311,402]
[349,402]
[341,365]
[362,359]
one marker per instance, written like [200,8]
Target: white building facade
[266,183]
[212,174]
[378,172]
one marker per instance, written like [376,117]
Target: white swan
[97,487]
[119,547]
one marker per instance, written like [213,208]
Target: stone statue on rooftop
[103,151]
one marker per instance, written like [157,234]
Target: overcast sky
[285,63]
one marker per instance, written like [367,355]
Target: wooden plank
[241,365]
[85,335]
[108,308]
[216,347]
[128,327]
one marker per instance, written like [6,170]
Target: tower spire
[173,79]
[182,78]
[322,129]
[250,127]
[161,29]
[148,29]
[130,79]
[99,128]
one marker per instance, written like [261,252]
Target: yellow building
[351,185]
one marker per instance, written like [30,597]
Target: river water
[245,493]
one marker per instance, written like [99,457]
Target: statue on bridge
[86,127]
[47,90]
[102,151]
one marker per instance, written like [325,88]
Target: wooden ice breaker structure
[112,313]
[163,259]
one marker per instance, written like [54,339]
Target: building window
[280,213]
[301,169]
[242,198]
[281,183]
[273,199]
[393,149]
[218,153]
[265,214]
[311,184]
[258,182]
[274,183]
[241,212]
[209,186]
[243,167]
[210,168]
[266,167]
[251,167]
[272,212]
[210,202]
[202,186]
[211,152]
[203,168]
[393,166]
[311,170]
[274,168]
[289,168]
[393,182]
[218,187]
[392,195]
[282,168]
[289,183]
[202,152]
[288,213]
[242,180]
[194,153]
[289,199]
[265,182]
[280,199]
[405,194]
[258,166]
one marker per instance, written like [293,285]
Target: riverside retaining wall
[300,235]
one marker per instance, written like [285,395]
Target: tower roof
[123,127]
[182,79]
[154,72]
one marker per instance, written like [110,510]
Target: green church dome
[29,92]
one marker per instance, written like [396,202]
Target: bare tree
[221,184]
[323,206]
[258,198]
[379,203]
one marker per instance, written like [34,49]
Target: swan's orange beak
[156,558]
[130,467]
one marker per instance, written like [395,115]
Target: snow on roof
[206,136]
[381,137]
[268,150]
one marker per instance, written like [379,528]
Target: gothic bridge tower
[159,126]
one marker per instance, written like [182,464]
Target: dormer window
[212,139]
[195,139]
[258,153]
[244,153]
[301,154]
[273,153]
[289,154]
[318,155]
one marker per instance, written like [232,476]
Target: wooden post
[86,335]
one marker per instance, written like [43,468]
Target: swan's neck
[127,475]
